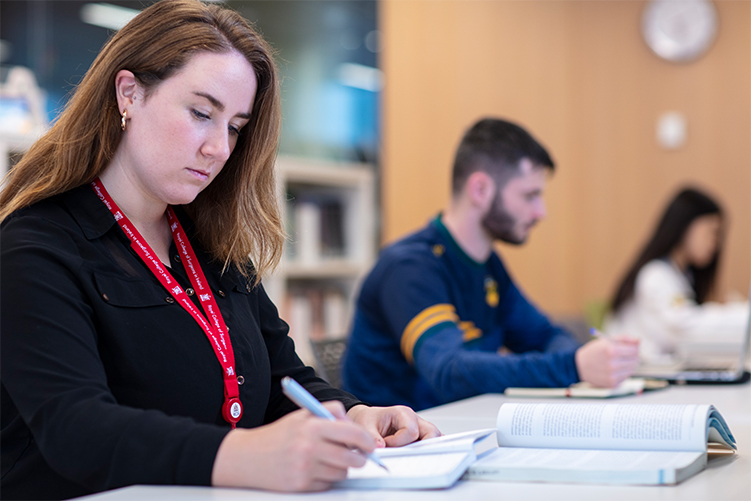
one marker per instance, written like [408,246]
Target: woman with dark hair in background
[138,344]
[663,297]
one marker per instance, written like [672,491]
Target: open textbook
[603,443]
[429,464]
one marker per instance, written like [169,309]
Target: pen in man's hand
[596,332]
[302,398]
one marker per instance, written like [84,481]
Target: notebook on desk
[705,368]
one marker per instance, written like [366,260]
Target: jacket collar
[449,238]
[89,212]
[95,220]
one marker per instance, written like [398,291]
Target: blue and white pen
[301,397]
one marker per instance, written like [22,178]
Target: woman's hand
[299,452]
[392,426]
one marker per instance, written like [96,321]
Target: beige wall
[578,75]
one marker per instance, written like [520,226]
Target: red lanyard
[215,329]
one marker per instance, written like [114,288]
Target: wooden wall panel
[578,75]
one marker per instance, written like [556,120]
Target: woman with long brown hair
[138,344]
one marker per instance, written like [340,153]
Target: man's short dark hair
[495,146]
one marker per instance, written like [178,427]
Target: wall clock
[679,30]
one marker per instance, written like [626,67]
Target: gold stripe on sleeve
[423,321]
[470,331]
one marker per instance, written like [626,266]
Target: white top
[664,314]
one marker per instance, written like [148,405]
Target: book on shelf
[308,232]
[603,443]
[317,226]
[334,314]
[299,314]
[429,464]
[315,313]
[332,228]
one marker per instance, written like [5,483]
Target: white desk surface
[726,478]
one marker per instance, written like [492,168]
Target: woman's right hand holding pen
[299,452]
[607,361]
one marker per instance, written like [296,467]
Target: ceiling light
[361,76]
[106,15]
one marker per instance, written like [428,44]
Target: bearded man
[439,318]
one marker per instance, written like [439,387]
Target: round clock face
[679,30]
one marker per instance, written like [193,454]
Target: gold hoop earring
[123,120]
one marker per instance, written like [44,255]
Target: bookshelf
[329,214]
[22,118]
[12,144]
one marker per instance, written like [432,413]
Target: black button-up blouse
[106,381]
